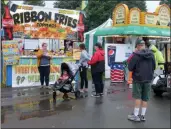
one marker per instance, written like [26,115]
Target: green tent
[133,30]
[90,39]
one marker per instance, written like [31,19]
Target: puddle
[119,93]
[41,108]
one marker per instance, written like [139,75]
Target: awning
[133,30]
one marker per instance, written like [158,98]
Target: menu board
[163,12]
[10,52]
[134,16]
[123,16]
[150,19]
[120,14]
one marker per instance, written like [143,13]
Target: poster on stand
[76,51]
[10,52]
[115,53]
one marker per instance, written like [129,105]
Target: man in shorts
[142,65]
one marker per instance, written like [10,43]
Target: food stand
[34,25]
[131,25]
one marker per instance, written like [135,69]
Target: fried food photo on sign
[34,34]
[18,28]
[68,29]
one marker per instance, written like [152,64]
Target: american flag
[117,73]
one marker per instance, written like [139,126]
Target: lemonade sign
[163,12]
[120,14]
[134,16]
[123,16]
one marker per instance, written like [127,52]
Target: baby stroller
[66,86]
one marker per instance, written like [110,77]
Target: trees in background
[34,2]
[67,4]
[98,11]
[168,2]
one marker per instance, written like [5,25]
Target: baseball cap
[139,41]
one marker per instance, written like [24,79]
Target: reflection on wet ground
[108,111]
[42,108]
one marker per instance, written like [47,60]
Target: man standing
[142,64]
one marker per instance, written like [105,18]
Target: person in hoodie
[97,69]
[142,65]
[84,58]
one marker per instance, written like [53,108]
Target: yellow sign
[123,16]
[149,18]
[163,12]
[120,15]
[134,16]
[76,54]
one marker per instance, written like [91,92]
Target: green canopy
[133,30]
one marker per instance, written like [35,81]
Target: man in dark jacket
[142,65]
[97,69]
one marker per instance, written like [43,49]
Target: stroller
[66,86]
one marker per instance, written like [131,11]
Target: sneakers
[101,94]
[142,118]
[81,90]
[42,86]
[96,95]
[48,87]
[134,118]
[85,90]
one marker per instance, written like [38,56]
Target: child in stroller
[64,83]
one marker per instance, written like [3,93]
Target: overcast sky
[151,5]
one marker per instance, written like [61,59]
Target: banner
[26,72]
[39,22]
[28,75]
[10,52]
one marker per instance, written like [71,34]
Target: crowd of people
[141,64]
[96,62]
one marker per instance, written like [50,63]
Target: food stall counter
[26,73]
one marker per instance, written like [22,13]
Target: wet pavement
[35,108]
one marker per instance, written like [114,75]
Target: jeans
[44,74]
[83,75]
[98,82]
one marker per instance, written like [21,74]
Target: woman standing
[97,69]
[43,60]
[83,67]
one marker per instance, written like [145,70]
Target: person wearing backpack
[97,63]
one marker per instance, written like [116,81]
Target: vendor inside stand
[59,48]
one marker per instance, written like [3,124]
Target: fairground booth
[26,28]
[128,26]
